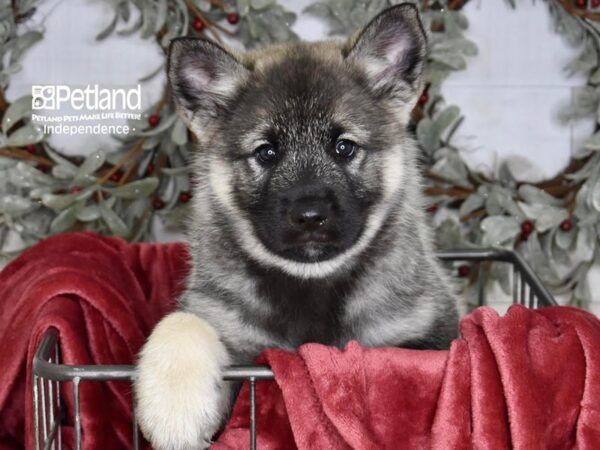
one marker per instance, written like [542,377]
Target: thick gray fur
[391,291]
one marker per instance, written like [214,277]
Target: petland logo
[91,110]
[92,98]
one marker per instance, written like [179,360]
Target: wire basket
[50,377]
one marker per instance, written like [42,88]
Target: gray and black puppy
[308,222]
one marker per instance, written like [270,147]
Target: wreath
[554,223]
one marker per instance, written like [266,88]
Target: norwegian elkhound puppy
[308,222]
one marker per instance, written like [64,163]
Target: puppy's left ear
[392,50]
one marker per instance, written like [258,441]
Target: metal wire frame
[49,373]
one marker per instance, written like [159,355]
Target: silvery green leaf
[532,211]
[64,220]
[564,239]
[562,259]
[499,200]
[175,218]
[582,293]
[58,202]
[539,259]
[12,69]
[92,163]
[532,194]
[544,216]
[595,76]
[36,193]
[164,124]
[17,110]
[261,4]
[253,27]
[124,11]
[585,244]
[593,143]
[458,43]
[500,229]
[595,195]
[113,221]
[161,14]
[136,26]
[451,59]
[135,189]
[446,118]
[29,134]
[24,42]
[243,7]
[448,234]
[179,133]
[149,17]
[501,273]
[15,205]
[586,170]
[452,168]
[151,142]
[182,182]
[185,17]
[319,9]
[26,175]
[88,213]
[427,136]
[63,172]
[109,29]
[58,159]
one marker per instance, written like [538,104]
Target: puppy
[308,221]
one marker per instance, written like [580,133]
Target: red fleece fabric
[104,296]
[528,380]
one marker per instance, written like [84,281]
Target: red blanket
[104,296]
[528,380]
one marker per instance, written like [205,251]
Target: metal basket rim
[43,368]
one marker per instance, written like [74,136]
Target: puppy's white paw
[181,399]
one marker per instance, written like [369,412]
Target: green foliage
[35,202]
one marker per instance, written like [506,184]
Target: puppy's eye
[345,148]
[266,154]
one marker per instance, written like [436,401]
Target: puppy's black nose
[309,215]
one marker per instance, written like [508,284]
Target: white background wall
[510,94]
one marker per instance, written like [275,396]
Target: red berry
[157,203]
[581,3]
[527,228]
[595,3]
[42,168]
[150,169]
[198,24]
[424,98]
[464,270]
[74,189]
[566,225]
[153,120]
[185,197]
[31,149]
[233,18]
[432,208]
[116,176]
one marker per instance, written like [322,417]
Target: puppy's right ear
[203,77]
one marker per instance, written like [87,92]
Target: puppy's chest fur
[304,310]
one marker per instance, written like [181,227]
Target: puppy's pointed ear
[203,77]
[392,49]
